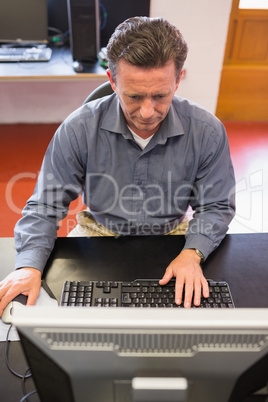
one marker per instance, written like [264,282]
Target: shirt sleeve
[60,181]
[213,196]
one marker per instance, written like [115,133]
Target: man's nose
[147,108]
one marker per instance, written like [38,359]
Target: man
[140,157]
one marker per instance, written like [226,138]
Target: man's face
[145,95]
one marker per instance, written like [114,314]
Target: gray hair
[148,43]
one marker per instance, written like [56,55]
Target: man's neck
[143,134]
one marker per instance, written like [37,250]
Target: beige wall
[204,25]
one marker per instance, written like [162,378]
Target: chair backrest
[99,92]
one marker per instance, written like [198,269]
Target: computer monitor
[116,11]
[23,21]
[127,354]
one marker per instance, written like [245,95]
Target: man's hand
[186,268]
[26,281]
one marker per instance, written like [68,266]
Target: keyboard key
[145,283]
[65,297]
[126,298]
[210,300]
[226,300]
[131,289]
[98,300]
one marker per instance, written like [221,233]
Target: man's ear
[177,85]
[112,82]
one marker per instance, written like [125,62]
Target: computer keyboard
[14,54]
[138,293]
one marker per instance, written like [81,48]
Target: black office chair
[99,92]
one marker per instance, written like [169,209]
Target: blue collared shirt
[129,190]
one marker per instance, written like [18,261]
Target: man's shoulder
[93,108]
[189,110]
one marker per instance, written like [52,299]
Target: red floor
[21,153]
[246,139]
[23,147]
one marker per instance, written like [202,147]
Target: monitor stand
[159,389]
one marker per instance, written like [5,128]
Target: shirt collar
[114,121]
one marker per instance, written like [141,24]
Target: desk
[241,260]
[45,92]
[60,66]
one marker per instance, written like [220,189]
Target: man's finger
[188,294]
[205,287]
[179,290]
[32,297]
[197,292]
[167,276]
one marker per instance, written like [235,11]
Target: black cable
[23,377]
[27,396]
[23,380]
[7,357]
[104,15]
[59,37]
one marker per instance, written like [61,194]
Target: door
[243,93]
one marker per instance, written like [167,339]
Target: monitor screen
[127,354]
[23,21]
